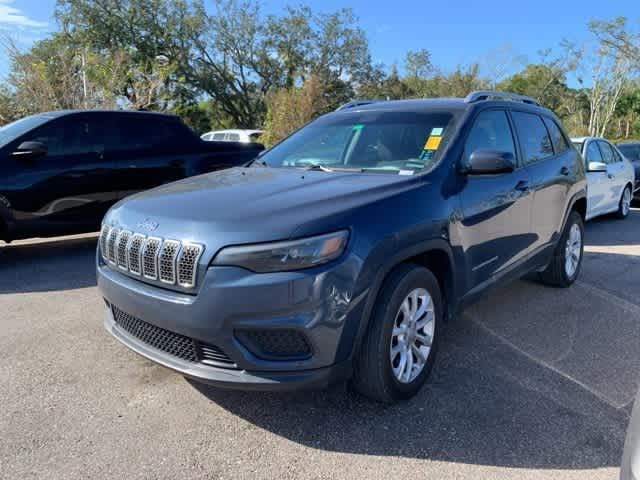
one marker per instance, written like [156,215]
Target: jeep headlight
[286,255]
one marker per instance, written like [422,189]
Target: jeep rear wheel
[400,345]
[566,262]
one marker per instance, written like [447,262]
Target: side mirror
[30,150]
[597,167]
[487,161]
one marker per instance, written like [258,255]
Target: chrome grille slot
[121,245]
[104,234]
[133,252]
[167,261]
[171,262]
[111,245]
[150,251]
[188,264]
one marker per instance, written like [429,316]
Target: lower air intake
[282,344]
[172,343]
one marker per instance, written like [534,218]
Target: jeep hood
[251,205]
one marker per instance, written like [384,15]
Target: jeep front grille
[170,261]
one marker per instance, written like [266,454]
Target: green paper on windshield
[358,126]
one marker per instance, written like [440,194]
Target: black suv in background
[631,150]
[61,171]
[340,252]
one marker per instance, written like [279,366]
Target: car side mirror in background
[30,150]
[487,161]
[597,167]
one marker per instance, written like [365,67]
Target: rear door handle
[522,186]
[564,171]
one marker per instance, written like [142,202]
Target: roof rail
[480,95]
[356,103]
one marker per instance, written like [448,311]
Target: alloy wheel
[573,250]
[625,202]
[412,335]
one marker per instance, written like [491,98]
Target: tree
[628,111]
[289,108]
[147,42]
[616,35]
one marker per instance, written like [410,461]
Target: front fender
[376,268]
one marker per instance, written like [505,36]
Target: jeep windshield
[382,141]
[13,130]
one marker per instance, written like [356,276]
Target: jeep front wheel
[400,346]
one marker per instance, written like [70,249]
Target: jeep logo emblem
[148,225]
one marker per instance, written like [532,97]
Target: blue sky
[456,32]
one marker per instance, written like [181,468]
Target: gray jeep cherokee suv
[340,252]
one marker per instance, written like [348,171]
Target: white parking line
[545,364]
[620,302]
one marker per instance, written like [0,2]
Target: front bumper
[318,303]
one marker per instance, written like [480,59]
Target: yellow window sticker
[433,143]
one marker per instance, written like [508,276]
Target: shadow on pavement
[485,404]
[60,264]
[610,231]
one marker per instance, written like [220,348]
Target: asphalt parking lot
[532,382]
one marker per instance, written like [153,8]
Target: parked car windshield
[631,151]
[578,146]
[13,130]
[374,140]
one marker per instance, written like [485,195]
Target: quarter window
[533,135]
[490,130]
[607,152]
[557,138]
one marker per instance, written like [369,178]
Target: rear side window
[607,152]
[234,137]
[218,137]
[557,138]
[491,129]
[139,132]
[533,136]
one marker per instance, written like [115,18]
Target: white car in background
[235,135]
[610,177]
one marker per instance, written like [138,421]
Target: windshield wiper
[318,167]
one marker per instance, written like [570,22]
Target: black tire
[373,374]
[556,273]
[623,211]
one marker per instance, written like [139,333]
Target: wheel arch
[437,256]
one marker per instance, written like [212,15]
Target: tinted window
[70,136]
[143,132]
[607,152]
[234,137]
[557,138]
[13,130]
[632,152]
[491,129]
[533,135]
[385,141]
[593,153]
[218,137]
